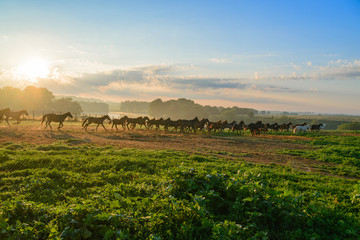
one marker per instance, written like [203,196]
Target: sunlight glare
[32,69]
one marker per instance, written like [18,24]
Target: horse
[2,113]
[285,126]
[275,127]
[51,117]
[256,128]
[15,115]
[150,123]
[97,120]
[121,121]
[239,127]
[143,121]
[298,129]
[170,123]
[215,126]
[229,125]
[188,124]
[133,121]
[202,123]
[317,127]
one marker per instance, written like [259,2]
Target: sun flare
[32,69]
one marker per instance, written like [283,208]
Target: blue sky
[268,55]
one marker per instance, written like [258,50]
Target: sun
[33,69]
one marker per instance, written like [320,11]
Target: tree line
[187,109]
[40,100]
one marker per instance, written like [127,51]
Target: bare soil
[256,149]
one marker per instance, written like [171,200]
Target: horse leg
[103,126]
[97,127]
[6,119]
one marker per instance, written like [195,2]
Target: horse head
[6,110]
[69,115]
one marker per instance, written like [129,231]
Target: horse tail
[84,122]
[43,118]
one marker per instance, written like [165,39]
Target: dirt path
[259,149]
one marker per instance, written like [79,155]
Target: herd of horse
[181,125]
[204,124]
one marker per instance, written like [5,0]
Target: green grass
[71,191]
[342,150]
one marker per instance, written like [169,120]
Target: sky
[297,56]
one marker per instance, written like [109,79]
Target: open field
[143,184]
[265,149]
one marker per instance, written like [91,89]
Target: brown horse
[121,121]
[2,113]
[133,121]
[50,117]
[15,115]
[238,128]
[97,120]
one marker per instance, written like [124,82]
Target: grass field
[157,185]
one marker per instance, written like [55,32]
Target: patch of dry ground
[258,149]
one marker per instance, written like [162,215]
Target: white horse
[298,129]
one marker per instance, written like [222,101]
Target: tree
[10,97]
[156,108]
[64,105]
[37,99]
[251,114]
[31,98]
[349,126]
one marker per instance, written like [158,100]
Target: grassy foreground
[70,191]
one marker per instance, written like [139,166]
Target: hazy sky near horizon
[267,55]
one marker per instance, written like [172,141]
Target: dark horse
[97,120]
[50,117]
[15,115]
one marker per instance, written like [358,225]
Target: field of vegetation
[104,185]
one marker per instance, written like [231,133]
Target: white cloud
[219,60]
[296,67]
[338,70]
